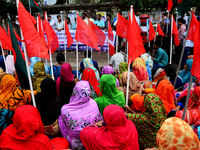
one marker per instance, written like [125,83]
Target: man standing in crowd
[84,17]
[100,23]
[51,22]
[137,17]
[161,59]
[59,24]
[115,20]
[68,23]
[89,17]
[108,18]
[15,27]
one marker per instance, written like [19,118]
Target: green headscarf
[123,66]
[110,94]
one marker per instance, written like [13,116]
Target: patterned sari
[88,63]
[123,66]
[150,121]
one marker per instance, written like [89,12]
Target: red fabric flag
[169,5]
[35,45]
[110,32]
[136,47]
[40,30]
[111,48]
[122,27]
[99,33]
[179,1]
[85,34]
[4,39]
[69,37]
[152,32]
[175,33]
[193,26]
[17,36]
[159,30]
[196,61]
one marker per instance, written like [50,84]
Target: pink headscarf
[66,75]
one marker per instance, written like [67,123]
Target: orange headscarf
[11,96]
[165,91]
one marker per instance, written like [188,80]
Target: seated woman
[146,60]
[157,74]
[49,106]
[27,131]
[66,82]
[78,114]
[109,70]
[39,75]
[140,70]
[186,72]
[89,75]
[123,66]
[120,133]
[60,58]
[110,94]
[11,96]
[176,134]
[33,61]
[170,71]
[150,121]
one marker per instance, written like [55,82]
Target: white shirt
[52,23]
[138,19]
[120,58]
[188,42]
[60,25]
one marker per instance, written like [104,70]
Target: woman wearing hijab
[26,132]
[157,74]
[88,63]
[120,133]
[150,121]
[11,96]
[140,70]
[33,61]
[109,70]
[89,75]
[49,106]
[123,66]
[110,94]
[176,134]
[78,114]
[60,58]
[66,82]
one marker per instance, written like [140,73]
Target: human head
[13,21]
[156,46]
[98,16]
[108,84]
[74,19]
[48,17]
[67,20]
[163,15]
[66,72]
[181,21]
[120,13]
[137,13]
[158,74]
[60,58]
[107,70]
[189,63]
[5,52]
[108,17]
[88,15]
[83,15]
[196,94]
[89,54]
[170,71]
[39,69]
[59,18]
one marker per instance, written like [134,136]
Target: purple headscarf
[109,70]
[79,113]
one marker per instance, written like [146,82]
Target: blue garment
[47,69]
[161,57]
[56,71]
[82,67]
[114,19]
[185,74]
[100,23]
[75,73]
[149,72]
[178,82]
[5,115]
[2,64]
[185,55]
[157,65]
[33,61]
[74,26]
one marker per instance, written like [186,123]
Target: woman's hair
[181,20]
[60,58]
[170,70]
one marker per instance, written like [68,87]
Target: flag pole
[156,31]
[51,64]
[87,52]
[127,44]
[167,23]
[27,66]
[170,62]
[181,57]
[45,13]
[29,6]
[4,59]
[65,45]
[91,52]
[77,59]
[116,50]
[187,98]
[108,51]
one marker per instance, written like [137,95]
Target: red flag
[35,45]
[122,27]
[111,48]
[4,39]
[40,30]
[159,30]
[85,35]
[193,26]
[99,33]
[136,47]
[175,33]
[179,1]
[196,61]
[17,36]
[169,5]
[152,32]
[110,32]
[69,37]
[51,36]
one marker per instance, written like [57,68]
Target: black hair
[84,13]
[89,54]
[74,19]
[12,20]
[170,71]
[88,13]
[181,20]
[109,15]
[68,18]
[58,16]
[99,15]
[164,14]
[157,43]
[60,58]
[120,13]
[49,16]
[154,71]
